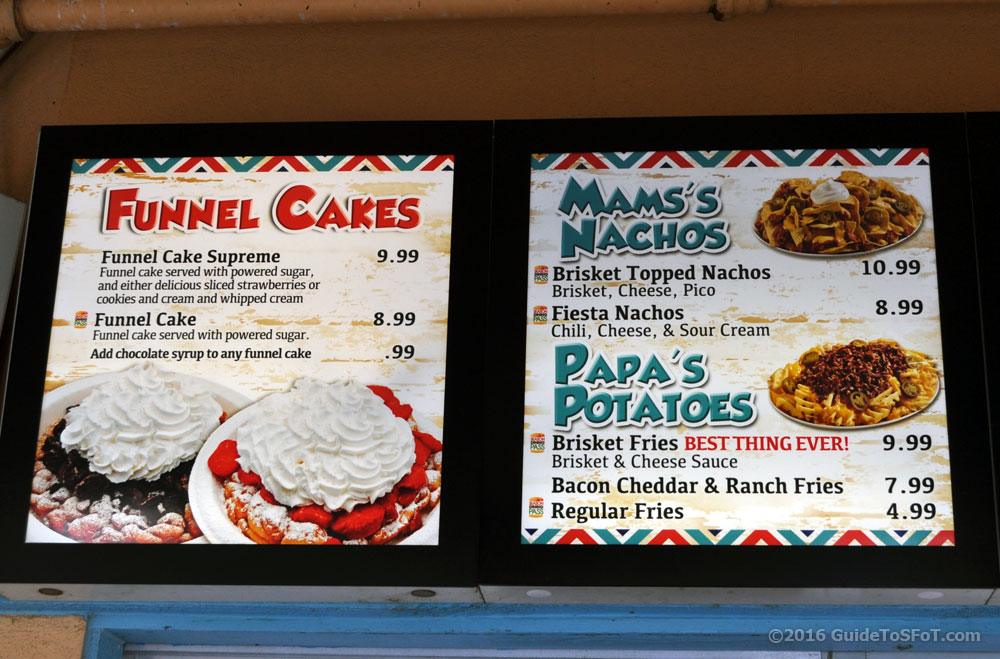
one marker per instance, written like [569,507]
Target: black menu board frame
[451,562]
[984,141]
[506,559]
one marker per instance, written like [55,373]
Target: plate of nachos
[861,383]
[844,215]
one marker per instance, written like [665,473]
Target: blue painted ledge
[886,628]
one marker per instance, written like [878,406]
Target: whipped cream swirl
[828,192]
[141,424]
[334,444]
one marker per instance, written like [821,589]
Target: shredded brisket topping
[855,368]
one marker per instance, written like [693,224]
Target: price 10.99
[902,267]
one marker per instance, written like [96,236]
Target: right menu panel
[734,348]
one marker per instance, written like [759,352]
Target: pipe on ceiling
[21,17]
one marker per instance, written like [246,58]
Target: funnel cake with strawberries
[336,463]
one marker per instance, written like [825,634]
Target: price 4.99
[915,511]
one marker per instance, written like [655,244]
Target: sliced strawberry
[428,440]
[268,497]
[248,477]
[414,480]
[385,393]
[360,522]
[222,462]
[332,541]
[422,452]
[415,524]
[390,400]
[405,497]
[222,417]
[314,513]
[388,501]
[391,514]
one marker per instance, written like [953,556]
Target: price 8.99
[394,319]
[899,308]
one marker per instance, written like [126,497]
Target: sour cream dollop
[828,192]
[141,424]
[336,444]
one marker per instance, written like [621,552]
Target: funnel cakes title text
[297,207]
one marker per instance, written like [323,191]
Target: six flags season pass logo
[80,321]
[540,315]
[536,507]
[541,274]
[538,442]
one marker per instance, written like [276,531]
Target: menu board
[734,348]
[248,351]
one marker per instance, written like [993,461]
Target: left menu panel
[248,350]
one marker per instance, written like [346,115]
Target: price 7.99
[913,485]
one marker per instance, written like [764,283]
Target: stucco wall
[846,59]
[41,637]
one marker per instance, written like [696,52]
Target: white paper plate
[208,503]
[54,405]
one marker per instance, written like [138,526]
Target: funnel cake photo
[114,465]
[336,463]
[851,213]
[863,383]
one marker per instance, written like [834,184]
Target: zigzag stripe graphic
[223,164]
[741,537]
[738,158]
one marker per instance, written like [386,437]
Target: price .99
[401,352]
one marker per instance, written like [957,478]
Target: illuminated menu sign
[248,350]
[734,348]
